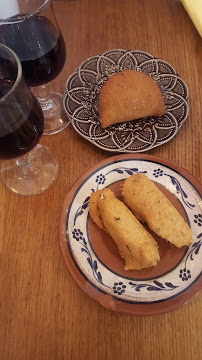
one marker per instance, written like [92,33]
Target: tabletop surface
[43,313]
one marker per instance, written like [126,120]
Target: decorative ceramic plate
[93,259]
[81,102]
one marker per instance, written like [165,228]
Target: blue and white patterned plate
[81,102]
[80,238]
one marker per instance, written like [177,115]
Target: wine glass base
[55,119]
[33,179]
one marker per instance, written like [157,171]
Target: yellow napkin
[194,9]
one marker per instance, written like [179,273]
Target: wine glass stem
[43,97]
[25,162]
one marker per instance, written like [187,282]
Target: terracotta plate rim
[108,301]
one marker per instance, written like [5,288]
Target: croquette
[135,245]
[150,205]
[94,209]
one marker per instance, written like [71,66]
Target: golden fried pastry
[149,204]
[129,95]
[136,246]
[94,209]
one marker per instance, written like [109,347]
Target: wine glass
[21,126]
[30,29]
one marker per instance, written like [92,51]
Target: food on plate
[129,95]
[149,204]
[135,245]
[94,208]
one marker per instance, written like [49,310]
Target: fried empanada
[129,95]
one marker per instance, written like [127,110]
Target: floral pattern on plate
[159,288]
[81,102]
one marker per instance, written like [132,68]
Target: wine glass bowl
[21,127]
[34,35]
[21,118]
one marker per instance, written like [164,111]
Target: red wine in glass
[34,35]
[23,124]
[39,46]
[27,167]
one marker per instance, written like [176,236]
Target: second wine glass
[30,29]
[27,168]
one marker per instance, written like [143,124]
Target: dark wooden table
[43,313]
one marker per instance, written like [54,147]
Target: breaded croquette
[94,209]
[149,204]
[136,246]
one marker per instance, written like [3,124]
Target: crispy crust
[94,209]
[129,95]
[136,246]
[148,203]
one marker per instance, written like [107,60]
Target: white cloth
[194,9]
